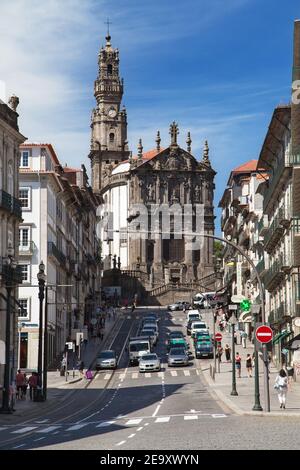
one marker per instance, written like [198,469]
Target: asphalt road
[170,410]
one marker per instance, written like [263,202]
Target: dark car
[204,349]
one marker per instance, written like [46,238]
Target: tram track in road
[128,325]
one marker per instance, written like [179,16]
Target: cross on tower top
[174,132]
[107,22]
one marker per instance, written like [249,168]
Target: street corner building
[156,267]
[11,216]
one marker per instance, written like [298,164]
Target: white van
[193,315]
[138,346]
[204,299]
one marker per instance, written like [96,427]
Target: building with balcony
[58,228]
[10,216]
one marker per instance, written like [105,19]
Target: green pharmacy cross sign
[245,305]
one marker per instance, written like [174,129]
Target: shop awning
[280,336]
[294,343]
[245,317]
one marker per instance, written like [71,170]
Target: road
[126,410]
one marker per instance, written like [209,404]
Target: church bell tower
[108,120]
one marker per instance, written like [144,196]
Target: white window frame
[28,280]
[21,228]
[28,159]
[27,317]
[28,208]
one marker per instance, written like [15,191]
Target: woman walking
[249,365]
[281,385]
[238,361]
[227,352]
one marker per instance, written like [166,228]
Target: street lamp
[8,270]
[41,279]
[233,322]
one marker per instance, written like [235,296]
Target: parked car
[106,360]
[177,342]
[149,362]
[178,357]
[202,335]
[179,306]
[205,300]
[151,332]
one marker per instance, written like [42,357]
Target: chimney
[295,107]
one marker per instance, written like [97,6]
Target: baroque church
[163,176]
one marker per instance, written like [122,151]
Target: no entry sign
[218,337]
[264,334]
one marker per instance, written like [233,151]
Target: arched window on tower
[111,138]
[109,69]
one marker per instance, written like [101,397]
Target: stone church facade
[133,189]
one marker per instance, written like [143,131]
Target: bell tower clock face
[112,112]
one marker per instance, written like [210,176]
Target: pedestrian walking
[19,384]
[249,365]
[281,386]
[238,364]
[227,352]
[244,337]
[219,353]
[32,385]
[133,307]
[24,388]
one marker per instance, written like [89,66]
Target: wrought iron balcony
[10,204]
[56,253]
[276,273]
[273,235]
[16,208]
[10,276]
[27,250]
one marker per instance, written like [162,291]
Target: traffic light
[245,305]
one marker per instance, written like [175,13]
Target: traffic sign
[264,334]
[232,307]
[218,337]
[236,299]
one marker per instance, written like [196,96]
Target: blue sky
[216,67]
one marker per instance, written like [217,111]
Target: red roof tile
[246,167]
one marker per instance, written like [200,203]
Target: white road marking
[146,424]
[134,375]
[219,416]
[46,430]
[174,373]
[147,375]
[189,417]
[163,419]
[17,447]
[139,429]
[197,372]
[76,427]
[107,376]
[156,411]
[186,372]
[21,431]
[43,421]
[160,374]
[120,443]
[131,435]
[39,439]
[133,422]
[105,424]
[3,429]
[121,376]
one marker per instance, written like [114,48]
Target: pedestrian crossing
[119,422]
[149,375]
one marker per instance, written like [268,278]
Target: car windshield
[177,352]
[199,325]
[195,316]
[107,355]
[176,334]
[149,357]
[143,346]
[147,332]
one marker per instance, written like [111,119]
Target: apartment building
[10,217]
[58,228]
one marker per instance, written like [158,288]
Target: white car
[149,362]
[197,326]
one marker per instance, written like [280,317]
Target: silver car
[106,360]
[178,357]
[149,362]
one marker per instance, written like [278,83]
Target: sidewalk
[57,384]
[243,403]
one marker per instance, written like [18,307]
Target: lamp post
[41,279]
[257,406]
[233,322]
[20,326]
[9,270]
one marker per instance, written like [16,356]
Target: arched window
[109,69]
[111,137]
